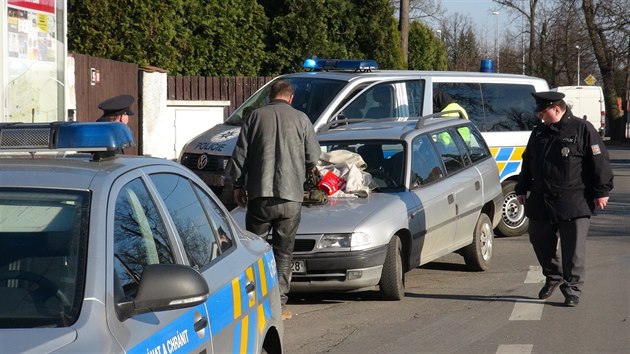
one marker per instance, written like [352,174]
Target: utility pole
[404,30]
[496,40]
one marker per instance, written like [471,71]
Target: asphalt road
[448,309]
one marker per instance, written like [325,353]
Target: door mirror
[165,287]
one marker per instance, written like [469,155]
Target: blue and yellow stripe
[509,159]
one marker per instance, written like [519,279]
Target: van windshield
[43,238]
[310,95]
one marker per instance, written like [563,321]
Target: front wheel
[513,220]
[478,254]
[392,284]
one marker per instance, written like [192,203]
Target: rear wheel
[513,220]
[392,284]
[478,254]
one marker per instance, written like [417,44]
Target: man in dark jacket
[568,175]
[276,146]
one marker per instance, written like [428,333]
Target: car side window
[219,221]
[452,157]
[474,143]
[198,236]
[425,165]
[140,237]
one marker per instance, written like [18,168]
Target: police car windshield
[311,95]
[43,238]
[384,161]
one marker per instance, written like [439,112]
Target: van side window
[508,107]
[467,95]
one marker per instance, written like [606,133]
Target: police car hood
[345,214]
[219,140]
[35,340]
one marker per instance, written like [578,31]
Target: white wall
[168,125]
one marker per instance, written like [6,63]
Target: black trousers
[567,268]
[282,217]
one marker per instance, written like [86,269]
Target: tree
[426,52]
[141,32]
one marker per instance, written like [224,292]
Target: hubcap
[513,214]
[486,240]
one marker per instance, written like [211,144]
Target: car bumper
[339,271]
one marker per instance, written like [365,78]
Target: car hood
[342,214]
[219,140]
[36,340]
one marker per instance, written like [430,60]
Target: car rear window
[43,239]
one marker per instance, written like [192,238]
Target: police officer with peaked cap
[567,173]
[116,109]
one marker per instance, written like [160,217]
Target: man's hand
[521,199]
[240,197]
[600,202]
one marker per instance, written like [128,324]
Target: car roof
[381,129]
[72,172]
[383,74]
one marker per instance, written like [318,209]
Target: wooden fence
[199,88]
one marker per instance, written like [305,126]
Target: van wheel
[392,284]
[513,220]
[478,254]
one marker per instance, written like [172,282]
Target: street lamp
[578,66]
[439,33]
[496,40]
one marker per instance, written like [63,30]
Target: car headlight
[356,239]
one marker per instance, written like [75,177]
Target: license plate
[214,180]
[298,266]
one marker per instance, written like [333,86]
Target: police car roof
[463,76]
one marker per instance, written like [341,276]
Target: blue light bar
[340,65]
[65,136]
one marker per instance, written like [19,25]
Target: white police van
[109,253]
[500,105]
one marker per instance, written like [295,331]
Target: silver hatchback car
[103,252]
[438,192]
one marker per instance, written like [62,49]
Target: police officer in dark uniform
[116,109]
[567,174]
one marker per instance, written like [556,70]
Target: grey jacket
[275,145]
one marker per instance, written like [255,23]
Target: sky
[481,14]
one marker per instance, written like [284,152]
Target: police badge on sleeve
[596,150]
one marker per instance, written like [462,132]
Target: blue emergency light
[340,65]
[65,136]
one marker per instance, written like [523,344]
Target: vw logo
[202,162]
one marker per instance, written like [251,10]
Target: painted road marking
[534,275]
[527,311]
[515,349]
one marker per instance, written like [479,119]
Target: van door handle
[450,199]
[477,185]
[201,324]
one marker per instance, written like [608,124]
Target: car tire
[513,220]
[392,284]
[478,255]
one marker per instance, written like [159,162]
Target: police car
[101,252]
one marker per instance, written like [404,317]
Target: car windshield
[310,95]
[385,160]
[43,238]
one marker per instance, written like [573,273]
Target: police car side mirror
[165,287]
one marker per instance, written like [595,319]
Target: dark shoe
[571,300]
[547,290]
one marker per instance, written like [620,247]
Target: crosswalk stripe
[515,349]
[527,311]
[534,275]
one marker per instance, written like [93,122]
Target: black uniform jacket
[565,166]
